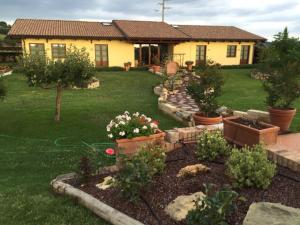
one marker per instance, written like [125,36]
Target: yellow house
[139,42]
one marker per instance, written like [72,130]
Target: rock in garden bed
[167,187]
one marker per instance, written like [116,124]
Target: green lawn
[34,149]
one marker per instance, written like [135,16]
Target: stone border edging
[101,209]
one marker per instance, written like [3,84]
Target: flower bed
[167,186]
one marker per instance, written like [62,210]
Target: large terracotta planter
[203,120]
[282,118]
[244,135]
[131,146]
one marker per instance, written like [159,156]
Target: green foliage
[85,169]
[171,82]
[207,88]
[4,27]
[211,145]
[2,90]
[250,167]
[138,171]
[213,208]
[34,68]
[281,60]
[72,70]
[241,66]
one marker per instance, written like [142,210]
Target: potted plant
[189,65]
[130,131]
[156,66]
[205,89]
[127,66]
[281,61]
[242,131]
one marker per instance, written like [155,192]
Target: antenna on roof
[163,8]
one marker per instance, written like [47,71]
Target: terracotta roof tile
[63,28]
[126,29]
[217,33]
[148,29]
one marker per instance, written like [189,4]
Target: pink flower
[110,151]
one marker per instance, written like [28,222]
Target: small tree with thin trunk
[74,69]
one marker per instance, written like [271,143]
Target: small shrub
[207,88]
[250,167]
[213,208]
[85,169]
[211,145]
[138,171]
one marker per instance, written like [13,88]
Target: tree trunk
[58,101]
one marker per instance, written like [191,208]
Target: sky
[262,17]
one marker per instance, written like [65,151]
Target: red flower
[110,151]
[155,122]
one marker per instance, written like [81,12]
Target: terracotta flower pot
[155,68]
[242,135]
[200,119]
[131,146]
[282,118]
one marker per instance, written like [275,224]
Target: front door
[101,55]
[245,52]
[200,55]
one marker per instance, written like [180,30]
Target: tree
[281,61]
[74,69]
[4,27]
[2,90]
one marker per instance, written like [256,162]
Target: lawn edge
[106,212]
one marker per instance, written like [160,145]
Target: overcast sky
[262,17]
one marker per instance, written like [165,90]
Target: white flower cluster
[115,127]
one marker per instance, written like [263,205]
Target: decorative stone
[166,107]
[172,136]
[192,170]
[179,208]
[240,113]
[259,115]
[157,90]
[265,213]
[107,183]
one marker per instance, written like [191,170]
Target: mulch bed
[167,187]
[251,123]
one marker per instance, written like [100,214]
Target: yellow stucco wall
[119,52]
[216,51]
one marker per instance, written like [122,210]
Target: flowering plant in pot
[130,131]
[204,91]
[281,61]
[189,65]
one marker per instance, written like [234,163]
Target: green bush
[111,68]
[281,61]
[241,66]
[250,167]
[213,208]
[211,145]
[207,88]
[138,171]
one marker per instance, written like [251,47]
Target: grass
[34,149]
[2,36]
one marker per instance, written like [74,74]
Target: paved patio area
[287,151]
